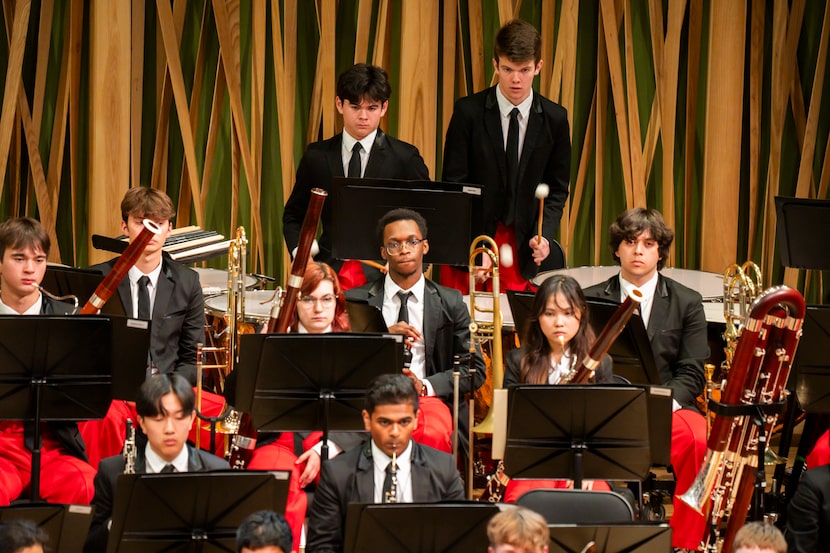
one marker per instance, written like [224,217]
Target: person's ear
[425,244]
[367,421]
[338,103]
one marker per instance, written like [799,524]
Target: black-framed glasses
[394,248]
[326,301]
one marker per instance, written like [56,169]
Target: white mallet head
[542,191]
[506,255]
[315,248]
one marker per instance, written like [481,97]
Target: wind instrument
[283,311]
[483,330]
[47,293]
[392,494]
[585,372]
[757,378]
[129,258]
[129,449]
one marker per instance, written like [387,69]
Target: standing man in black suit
[362,150]
[433,319]
[65,475]
[365,473]
[509,139]
[164,292]
[676,326]
[166,411]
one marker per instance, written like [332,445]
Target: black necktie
[144,312]
[168,468]
[512,159]
[403,314]
[354,163]
[387,484]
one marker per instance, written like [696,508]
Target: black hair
[155,388]
[632,223]
[363,81]
[391,389]
[20,533]
[264,528]
[400,214]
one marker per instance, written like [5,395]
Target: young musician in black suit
[362,99]
[175,308]
[360,475]
[808,514]
[476,151]
[437,323]
[676,326]
[22,536]
[166,411]
[65,475]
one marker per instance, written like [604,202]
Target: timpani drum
[215,281]
[257,305]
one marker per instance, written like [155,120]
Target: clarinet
[129,449]
[392,494]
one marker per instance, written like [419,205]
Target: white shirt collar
[154,463]
[34,309]
[391,289]
[366,142]
[134,274]
[647,289]
[505,106]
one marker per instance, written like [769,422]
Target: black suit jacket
[178,316]
[474,153]
[677,332]
[349,478]
[446,333]
[512,373]
[389,158]
[105,483]
[808,514]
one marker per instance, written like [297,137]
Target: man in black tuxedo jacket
[365,474]
[478,149]
[437,323]
[676,327]
[362,99]
[166,411]
[808,514]
[174,306]
[65,475]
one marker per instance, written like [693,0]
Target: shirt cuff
[674,405]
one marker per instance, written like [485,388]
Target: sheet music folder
[358,204]
[617,538]
[801,225]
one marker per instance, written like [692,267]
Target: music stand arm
[326,398]
[36,445]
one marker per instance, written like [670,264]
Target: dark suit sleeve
[96,540]
[803,514]
[513,368]
[457,316]
[193,328]
[687,379]
[414,165]
[452,482]
[456,146]
[326,517]
[297,204]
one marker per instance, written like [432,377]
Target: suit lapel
[432,316]
[376,295]
[495,134]
[376,165]
[125,296]
[534,127]
[194,462]
[365,477]
[164,289]
[421,489]
[335,158]
[659,308]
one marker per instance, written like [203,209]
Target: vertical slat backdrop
[215,100]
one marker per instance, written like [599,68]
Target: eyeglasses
[326,301]
[394,248]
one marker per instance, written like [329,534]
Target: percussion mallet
[542,191]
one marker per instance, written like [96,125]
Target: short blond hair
[761,535]
[519,527]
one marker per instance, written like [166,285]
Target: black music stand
[800,222]
[79,282]
[53,369]
[358,204]
[521,305]
[300,382]
[811,364]
[66,525]
[195,512]
[616,538]
[577,432]
[457,527]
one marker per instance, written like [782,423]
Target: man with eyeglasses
[433,319]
